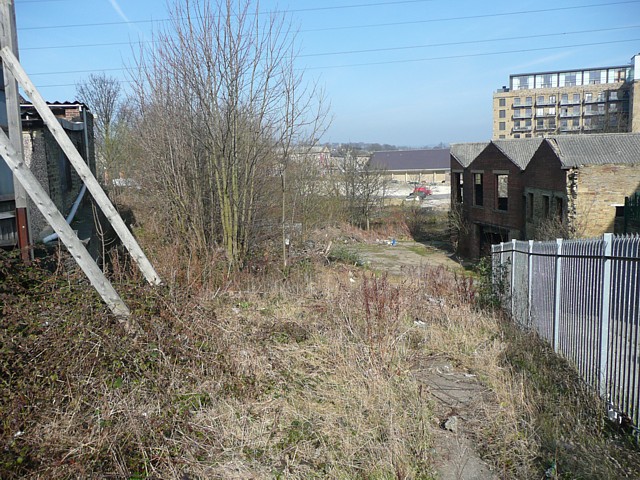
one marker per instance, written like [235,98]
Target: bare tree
[103,94]
[364,186]
[222,105]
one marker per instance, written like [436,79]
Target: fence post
[605,312]
[529,283]
[557,288]
[513,276]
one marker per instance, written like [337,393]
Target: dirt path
[456,393]
[400,258]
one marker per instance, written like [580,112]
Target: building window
[546,201]
[517,135]
[527,112]
[539,112]
[501,126]
[576,98]
[501,137]
[516,101]
[552,110]
[540,100]
[530,206]
[613,95]
[559,209]
[502,187]
[477,190]
[457,187]
[502,102]
[564,99]
[588,97]
[540,124]
[502,114]
[527,135]
[528,101]
[552,99]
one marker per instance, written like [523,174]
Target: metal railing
[583,297]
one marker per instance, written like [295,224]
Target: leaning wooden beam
[64,231]
[81,167]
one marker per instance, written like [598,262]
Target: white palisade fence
[583,297]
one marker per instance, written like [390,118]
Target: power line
[434,20]
[382,49]
[415,60]
[468,55]
[466,42]
[468,17]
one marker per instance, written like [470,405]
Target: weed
[344,255]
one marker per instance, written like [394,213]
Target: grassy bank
[309,374]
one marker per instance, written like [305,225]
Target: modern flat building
[592,100]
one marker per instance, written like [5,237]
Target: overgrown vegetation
[309,373]
[268,353]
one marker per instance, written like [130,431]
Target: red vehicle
[420,192]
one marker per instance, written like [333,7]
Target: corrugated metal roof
[519,150]
[597,149]
[465,153]
[436,159]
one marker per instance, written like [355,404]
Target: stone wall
[53,170]
[598,191]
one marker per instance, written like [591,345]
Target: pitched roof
[597,149]
[436,159]
[519,150]
[465,153]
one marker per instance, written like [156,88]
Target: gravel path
[455,392]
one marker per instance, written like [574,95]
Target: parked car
[420,193]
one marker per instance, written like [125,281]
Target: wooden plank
[66,234]
[9,39]
[81,167]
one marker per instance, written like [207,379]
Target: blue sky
[411,73]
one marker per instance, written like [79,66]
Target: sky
[410,73]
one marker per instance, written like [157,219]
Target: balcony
[570,102]
[546,103]
[522,129]
[593,113]
[520,115]
[569,114]
[570,128]
[545,128]
[597,99]
[592,128]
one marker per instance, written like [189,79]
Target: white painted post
[513,276]
[59,224]
[530,284]
[605,312]
[81,167]
[557,289]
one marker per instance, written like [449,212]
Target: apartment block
[593,100]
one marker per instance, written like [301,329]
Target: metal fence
[583,297]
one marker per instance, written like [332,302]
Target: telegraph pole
[9,38]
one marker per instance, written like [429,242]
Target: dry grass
[308,373]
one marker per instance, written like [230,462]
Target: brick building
[535,187]
[48,163]
[593,100]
